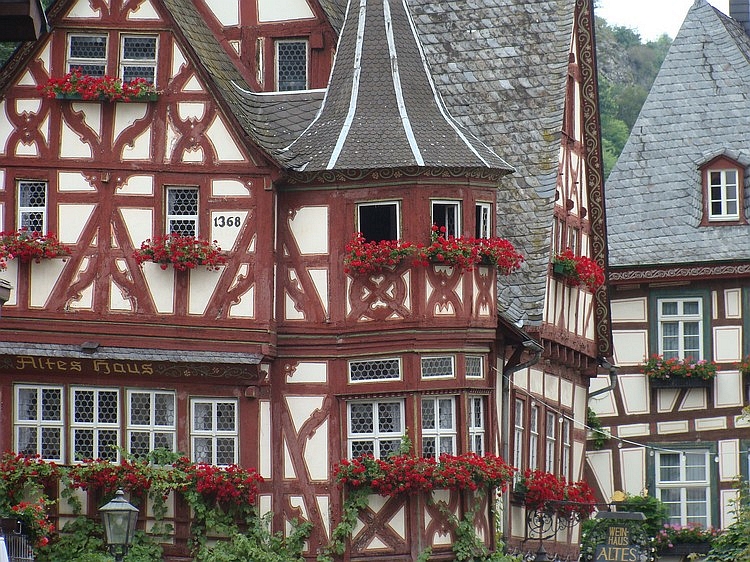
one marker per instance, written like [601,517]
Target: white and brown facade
[280,359]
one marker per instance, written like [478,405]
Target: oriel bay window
[438,426]
[375,427]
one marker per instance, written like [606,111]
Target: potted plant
[578,270]
[673,372]
[181,252]
[26,245]
[78,86]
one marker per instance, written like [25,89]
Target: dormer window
[291,65]
[722,192]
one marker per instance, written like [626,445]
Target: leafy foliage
[734,542]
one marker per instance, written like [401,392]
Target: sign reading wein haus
[618,547]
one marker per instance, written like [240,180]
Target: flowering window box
[578,270]
[78,86]
[181,252]
[27,246]
[681,383]
[685,549]
[679,373]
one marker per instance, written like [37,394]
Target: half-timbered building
[677,221]
[279,130]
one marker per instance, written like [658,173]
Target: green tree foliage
[627,68]
[734,542]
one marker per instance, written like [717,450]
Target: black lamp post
[119,518]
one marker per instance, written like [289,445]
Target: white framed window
[550,443]
[213,431]
[369,370]
[138,57]
[95,423]
[291,64]
[438,426]
[534,437]
[683,484]
[476,425]
[723,190]
[151,421]
[182,210]
[87,52]
[375,427]
[519,433]
[680,328]
[438,367]
[379,220]
[447,214]
[38,423]
[475,366]
[565,436]
[32,205]
[483,220]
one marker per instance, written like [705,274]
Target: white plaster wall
[223,141]
[551,387]
[733,303]
[73,181]
[634,393]
[602,404]
[729,459]
[602,467]
[728,497]
[630,346]
[309,226]
[72,220]
[161,285]
[728,389]
[536,382]
[273,10]
[727,344]
[202,285]
[629,310]
[226,11]
[633,462]
[308,372]
[227,234]
[43,278]
[137,184]
[265,454]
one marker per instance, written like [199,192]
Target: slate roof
[381,109]
[501,68]
[698,107]
[271,120]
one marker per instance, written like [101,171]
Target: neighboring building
[279,359]
[677,210]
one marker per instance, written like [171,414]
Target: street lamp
[119,518]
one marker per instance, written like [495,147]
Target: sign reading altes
[618,547]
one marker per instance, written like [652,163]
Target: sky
[651,18]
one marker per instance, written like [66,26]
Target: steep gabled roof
[381,109]
[501,68]
[698,106]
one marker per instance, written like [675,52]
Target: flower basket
[368,258]
[545,492]
[679,372]
[27,246]
[181,252]
[578,270]
[681,383]
[467,253]
[684,549]
[78,86]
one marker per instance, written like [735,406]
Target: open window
[447,214]
[379,221]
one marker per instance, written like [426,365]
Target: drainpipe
[612,378]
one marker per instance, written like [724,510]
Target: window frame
[566,446]
[123,62]
[681,319]
[39,423]
[534,437]
[276,61]
[550,443]
[395,228]
[438,433]
[483,220]
[96,427]
[453,230]
[480,360]
[477,424]
[152,428]
[374,360]
[450,375]
[169,217]
[375,436]
[214,434]
[723,164]
[21,210]
[519,432]
[683,484]
[72,63]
